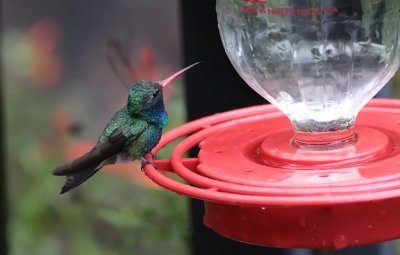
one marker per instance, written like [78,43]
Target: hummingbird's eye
[155,94]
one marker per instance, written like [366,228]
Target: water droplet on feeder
[218,151]
[243,218]
[201,144]
[370,227]
[383,213]
[303,223]
[263,208]
[340,242]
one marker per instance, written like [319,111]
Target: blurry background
[59,90]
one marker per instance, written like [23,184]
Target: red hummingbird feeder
[311,170]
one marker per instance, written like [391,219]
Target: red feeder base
[260,189]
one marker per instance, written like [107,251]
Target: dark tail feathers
[77,178]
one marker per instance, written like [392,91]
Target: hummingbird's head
[144,96]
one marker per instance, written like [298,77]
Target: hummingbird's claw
[146,162]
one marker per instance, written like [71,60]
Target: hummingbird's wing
[81,169]
[119,62]
[113,145]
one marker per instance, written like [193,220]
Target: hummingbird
[131,133]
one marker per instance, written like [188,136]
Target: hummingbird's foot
[146,162]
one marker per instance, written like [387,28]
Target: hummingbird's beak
[165,82]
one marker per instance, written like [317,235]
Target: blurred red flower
[44,37]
